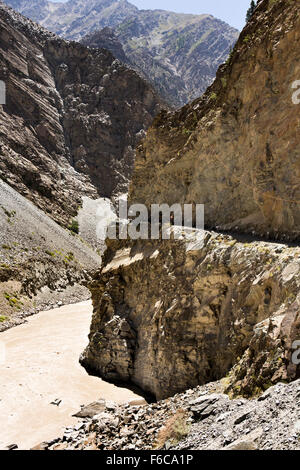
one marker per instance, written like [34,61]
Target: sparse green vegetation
[186,131]
[176,429]
[230,55]
[224,82]
[13,300]
[180,43]
[50,253]
[4,266]
[6,247]
[247,39]
[58,252]
[9,214]
[74,226]
[69,257]
[3,318]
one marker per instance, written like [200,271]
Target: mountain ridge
[178,53]
[72,119]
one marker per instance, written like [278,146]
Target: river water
[39,364]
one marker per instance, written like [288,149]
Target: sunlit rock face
[72,118]
[236,149]
[170,315]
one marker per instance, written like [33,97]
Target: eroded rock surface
[236,149]
[72,117]
[169,315]
[106,39]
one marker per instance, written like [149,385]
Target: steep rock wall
[71,120]
[170,315]
[236,149]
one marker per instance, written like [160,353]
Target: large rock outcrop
[169,315]
[173,314]
[72,117]
[236,149]
[106,39]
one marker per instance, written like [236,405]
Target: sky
[231,11]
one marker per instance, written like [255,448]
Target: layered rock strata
[236,149]
[72,117]
[169,315]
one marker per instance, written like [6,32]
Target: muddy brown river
[38,365]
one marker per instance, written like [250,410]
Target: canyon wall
[72,117]
[236,149]
[169,315]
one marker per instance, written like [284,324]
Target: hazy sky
[231,11]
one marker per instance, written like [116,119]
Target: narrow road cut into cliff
[38,365]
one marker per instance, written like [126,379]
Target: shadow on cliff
[148,397]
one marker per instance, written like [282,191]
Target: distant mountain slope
[72,119]
[75,18]
[178,53]
[37,10]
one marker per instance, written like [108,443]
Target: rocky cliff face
[72,118]
[177,53]
[236,148]
[169,315]
[106,39]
